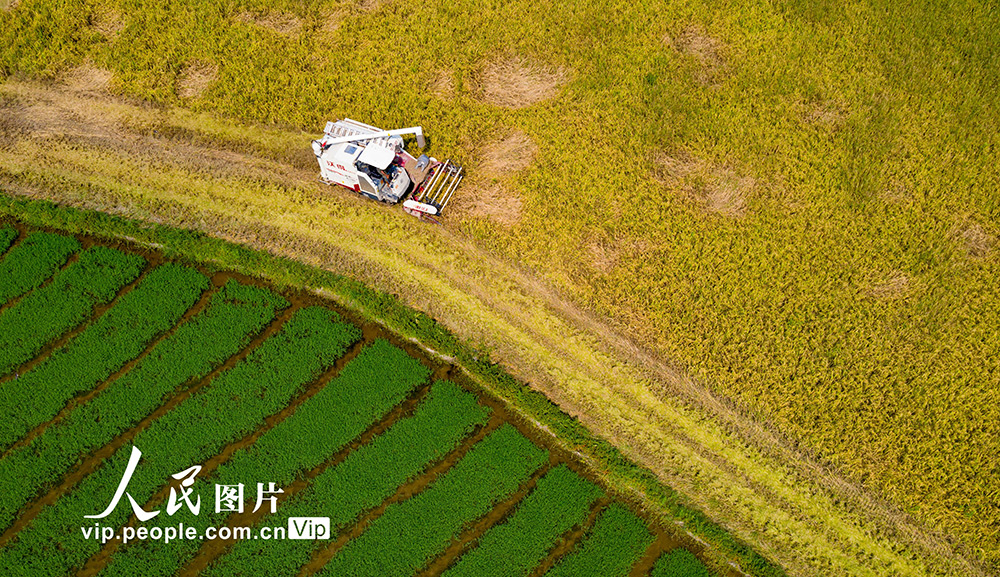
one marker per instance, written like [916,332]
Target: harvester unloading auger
[374,163]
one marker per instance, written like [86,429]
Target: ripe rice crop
[234,314]
[118,336]
[61,305]
[33,261]
[613,546]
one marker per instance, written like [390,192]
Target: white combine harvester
[373,162]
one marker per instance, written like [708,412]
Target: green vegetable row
[118,336]
[64,303]
[235,403]
[366,478]
[679,563]
[226,325]
[367,388]
[614,545]
[28,264]
[561,500]
[7,236]
[409,534]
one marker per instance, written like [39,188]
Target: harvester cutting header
[374,163]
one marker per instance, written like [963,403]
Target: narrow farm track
[92,462]
[97,562]
[88,395]
[740,471]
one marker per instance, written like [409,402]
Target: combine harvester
[373,163]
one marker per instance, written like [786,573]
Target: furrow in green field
[64,303]
[7,236]
[679,563]
[367,477]
[118,336]
[28,264]
[367,388]
[611,549]
[409,534]
[561,500]
[234,404]
[226,325]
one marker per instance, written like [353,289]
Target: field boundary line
[95,314]
[91,464]
[322,555]
[96,563]
[213,549]
[18,238]
[87,396]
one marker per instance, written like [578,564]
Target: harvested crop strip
[408,534]
[233,315]
[50,311]
[235,404]
[560,500]
[117,337]
[613,546]
[28,264]
[367,477]
[367,388]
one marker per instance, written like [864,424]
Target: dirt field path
[84,148]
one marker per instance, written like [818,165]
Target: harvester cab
[374,163]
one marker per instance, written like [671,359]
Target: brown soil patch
[9,5]
[196,78]
[718,189]
[492,201]
[896,192]
[514,82]
[897,285]
[88,79]
[707,51]
[507,155]
[603,256]
[975,240]
[274,20]
[442,85]
[109,23]
[824,113]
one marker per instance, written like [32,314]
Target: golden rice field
[796,203]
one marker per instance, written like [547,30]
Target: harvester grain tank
[375,164]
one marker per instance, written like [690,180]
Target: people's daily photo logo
[228,499]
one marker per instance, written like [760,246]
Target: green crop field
[752,245]
[253,387]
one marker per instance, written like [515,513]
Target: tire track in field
[468,539]
[95,313]
[99,560]
[91,464]
[212,549]
[566,542]
[322,555]
[128,366]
